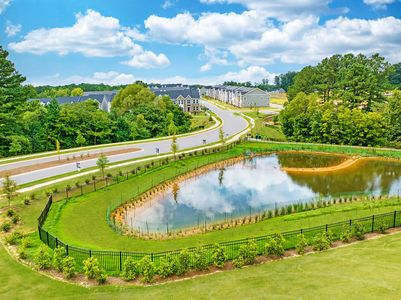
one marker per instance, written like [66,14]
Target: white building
[239,96]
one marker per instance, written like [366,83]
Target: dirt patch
[71,159]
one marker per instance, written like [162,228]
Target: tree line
[29,126]
[345,99]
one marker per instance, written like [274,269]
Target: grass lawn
[200,121]
[279,100]
[366,270]
[271,132]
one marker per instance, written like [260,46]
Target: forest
[345,99]
[29,127]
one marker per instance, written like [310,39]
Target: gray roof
[99,96]
[175,92]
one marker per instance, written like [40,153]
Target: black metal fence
[112,261]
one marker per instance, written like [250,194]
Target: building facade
[238,96]
[187,98]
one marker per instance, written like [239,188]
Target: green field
[271,132]
[366,270]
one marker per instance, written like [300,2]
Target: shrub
[15,219]
[183,262]
[239,262]
[321,242]
[43,258]
[87,180]
[381,227]
[14,238]
[22,252]
[200,259]
[27,201]
[248,252]
[68,267]
[32,196]
[358,231]
[6,226]
[301,245]
[130,269]
[58,256]
[219,256]
[91,268]
[101,277]
[10,212]
[274,245]
[147,269]
[167,266]
[346,234]
[26,242]
[55,190]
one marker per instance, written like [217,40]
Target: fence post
[373,222]
[121,262]
[56,242]
[40,233]
[81,190]
[326,227]
[395,218]
[350,222]
[90,253]
[151,256]
[66,249]
[47,237]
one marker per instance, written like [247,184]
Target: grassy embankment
[92,231]
[365,270]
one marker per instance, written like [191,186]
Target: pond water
[259,184]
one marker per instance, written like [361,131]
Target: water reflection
[257,185]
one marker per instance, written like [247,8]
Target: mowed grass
[261,128]
[365,270]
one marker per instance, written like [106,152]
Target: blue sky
[189,41]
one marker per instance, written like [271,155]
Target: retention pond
[262,183]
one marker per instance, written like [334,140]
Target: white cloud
[281,9]
[213,29]
[168,3]
[4,4]
[254,40]
[12,29]
[378,4]
[92,35]
[147,60]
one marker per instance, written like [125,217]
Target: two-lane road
[232,124]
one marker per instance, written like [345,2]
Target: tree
[222,137]
[102,162]
[58,149]
[174,146]
[395,75]
[80,141]
[77,92]
[130,97]
[392,115]
[9,188]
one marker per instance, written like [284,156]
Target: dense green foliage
[357,81]
[28,126]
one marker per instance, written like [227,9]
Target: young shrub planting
[43,259]
[58,256]
[358,231]
[22,252]
[6,227]
[148,269]
[200,259]
[167,266]
[101,277]
[91,268]
[249,252]
[10,212]
[68,267]
[301,245]
[381,227]
[26,242]
[346,234]
[14,238]
[15,219]
[183,262]
[321,242]
[239,262]
[130,270]
[219,256]
[274,245]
